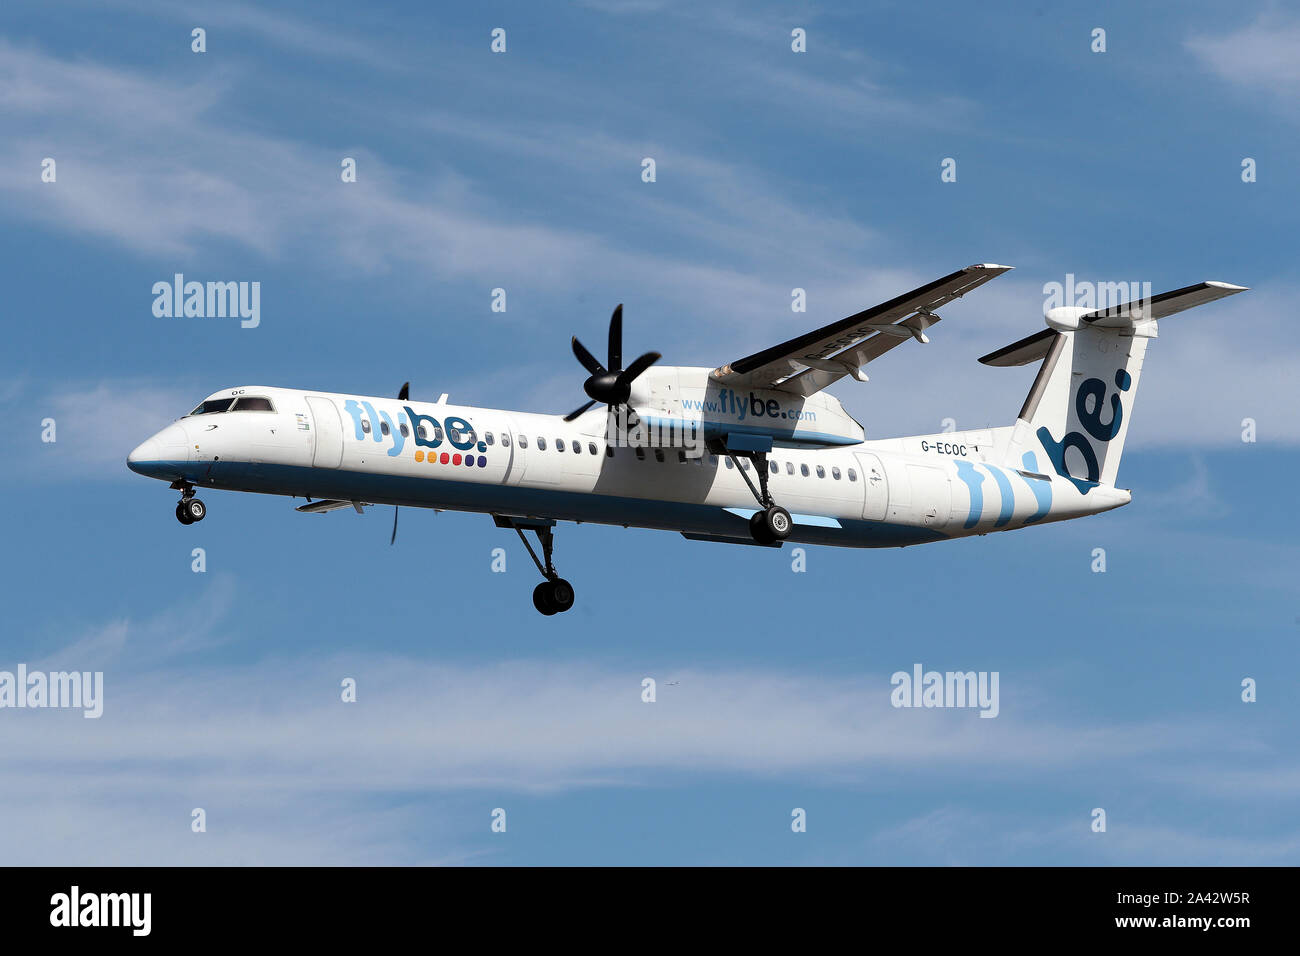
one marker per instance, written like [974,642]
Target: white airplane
[753,452]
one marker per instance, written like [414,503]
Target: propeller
[403,394]
[612,385]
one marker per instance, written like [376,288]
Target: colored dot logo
[434,458]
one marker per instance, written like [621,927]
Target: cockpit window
[213,405]
[252,404]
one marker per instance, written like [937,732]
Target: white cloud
[97,424]
[737,243]
[288,773]
[1264,55]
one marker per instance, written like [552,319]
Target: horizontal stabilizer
[1033,348]
[1162,305]
[1029,349]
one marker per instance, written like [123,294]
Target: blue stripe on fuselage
[489,497]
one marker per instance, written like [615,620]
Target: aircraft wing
[808,363]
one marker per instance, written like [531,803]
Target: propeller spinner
[612,385]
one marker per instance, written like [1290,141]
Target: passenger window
[404,430]
[640,454]
[559,444]
[853,475]
[789,468]
[681,457]
[591,447]
[437,433]
[541,443]
[422,432]
[713,461]
[728,463]
[365,425]
[523,441]
[383,428]
[803,470]
[659,455]
[487,437]
[505,440]
[821,472]
[773,467]
[250,404]
[835,473]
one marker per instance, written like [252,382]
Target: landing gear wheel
[758,528]
[553,597]
[561,595]
[194,509]
[541,598]
[182,514]
[777,522]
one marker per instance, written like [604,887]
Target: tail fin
[1077,413]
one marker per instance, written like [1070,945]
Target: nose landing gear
[189,509]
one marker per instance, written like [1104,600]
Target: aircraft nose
[160,455]
[147,451]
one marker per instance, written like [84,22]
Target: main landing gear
[189,509]
[772,523]
[554,595]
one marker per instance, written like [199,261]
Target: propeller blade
[616,339]
[578,411]
[629,374]
[394,537]
[404,393]
[587,359]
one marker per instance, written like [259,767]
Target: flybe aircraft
[753,452]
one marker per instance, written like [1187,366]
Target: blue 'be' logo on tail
[1090,419]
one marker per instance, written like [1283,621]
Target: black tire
[182,515]
[196,509]
[758,529]
[542,598]
[777,522]
[561,595]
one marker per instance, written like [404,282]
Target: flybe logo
[425,431]
[730,402]
[1091,390]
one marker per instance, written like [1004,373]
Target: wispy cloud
[225,737]
[96,426]
[1263,56]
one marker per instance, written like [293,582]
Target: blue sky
[522,170]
